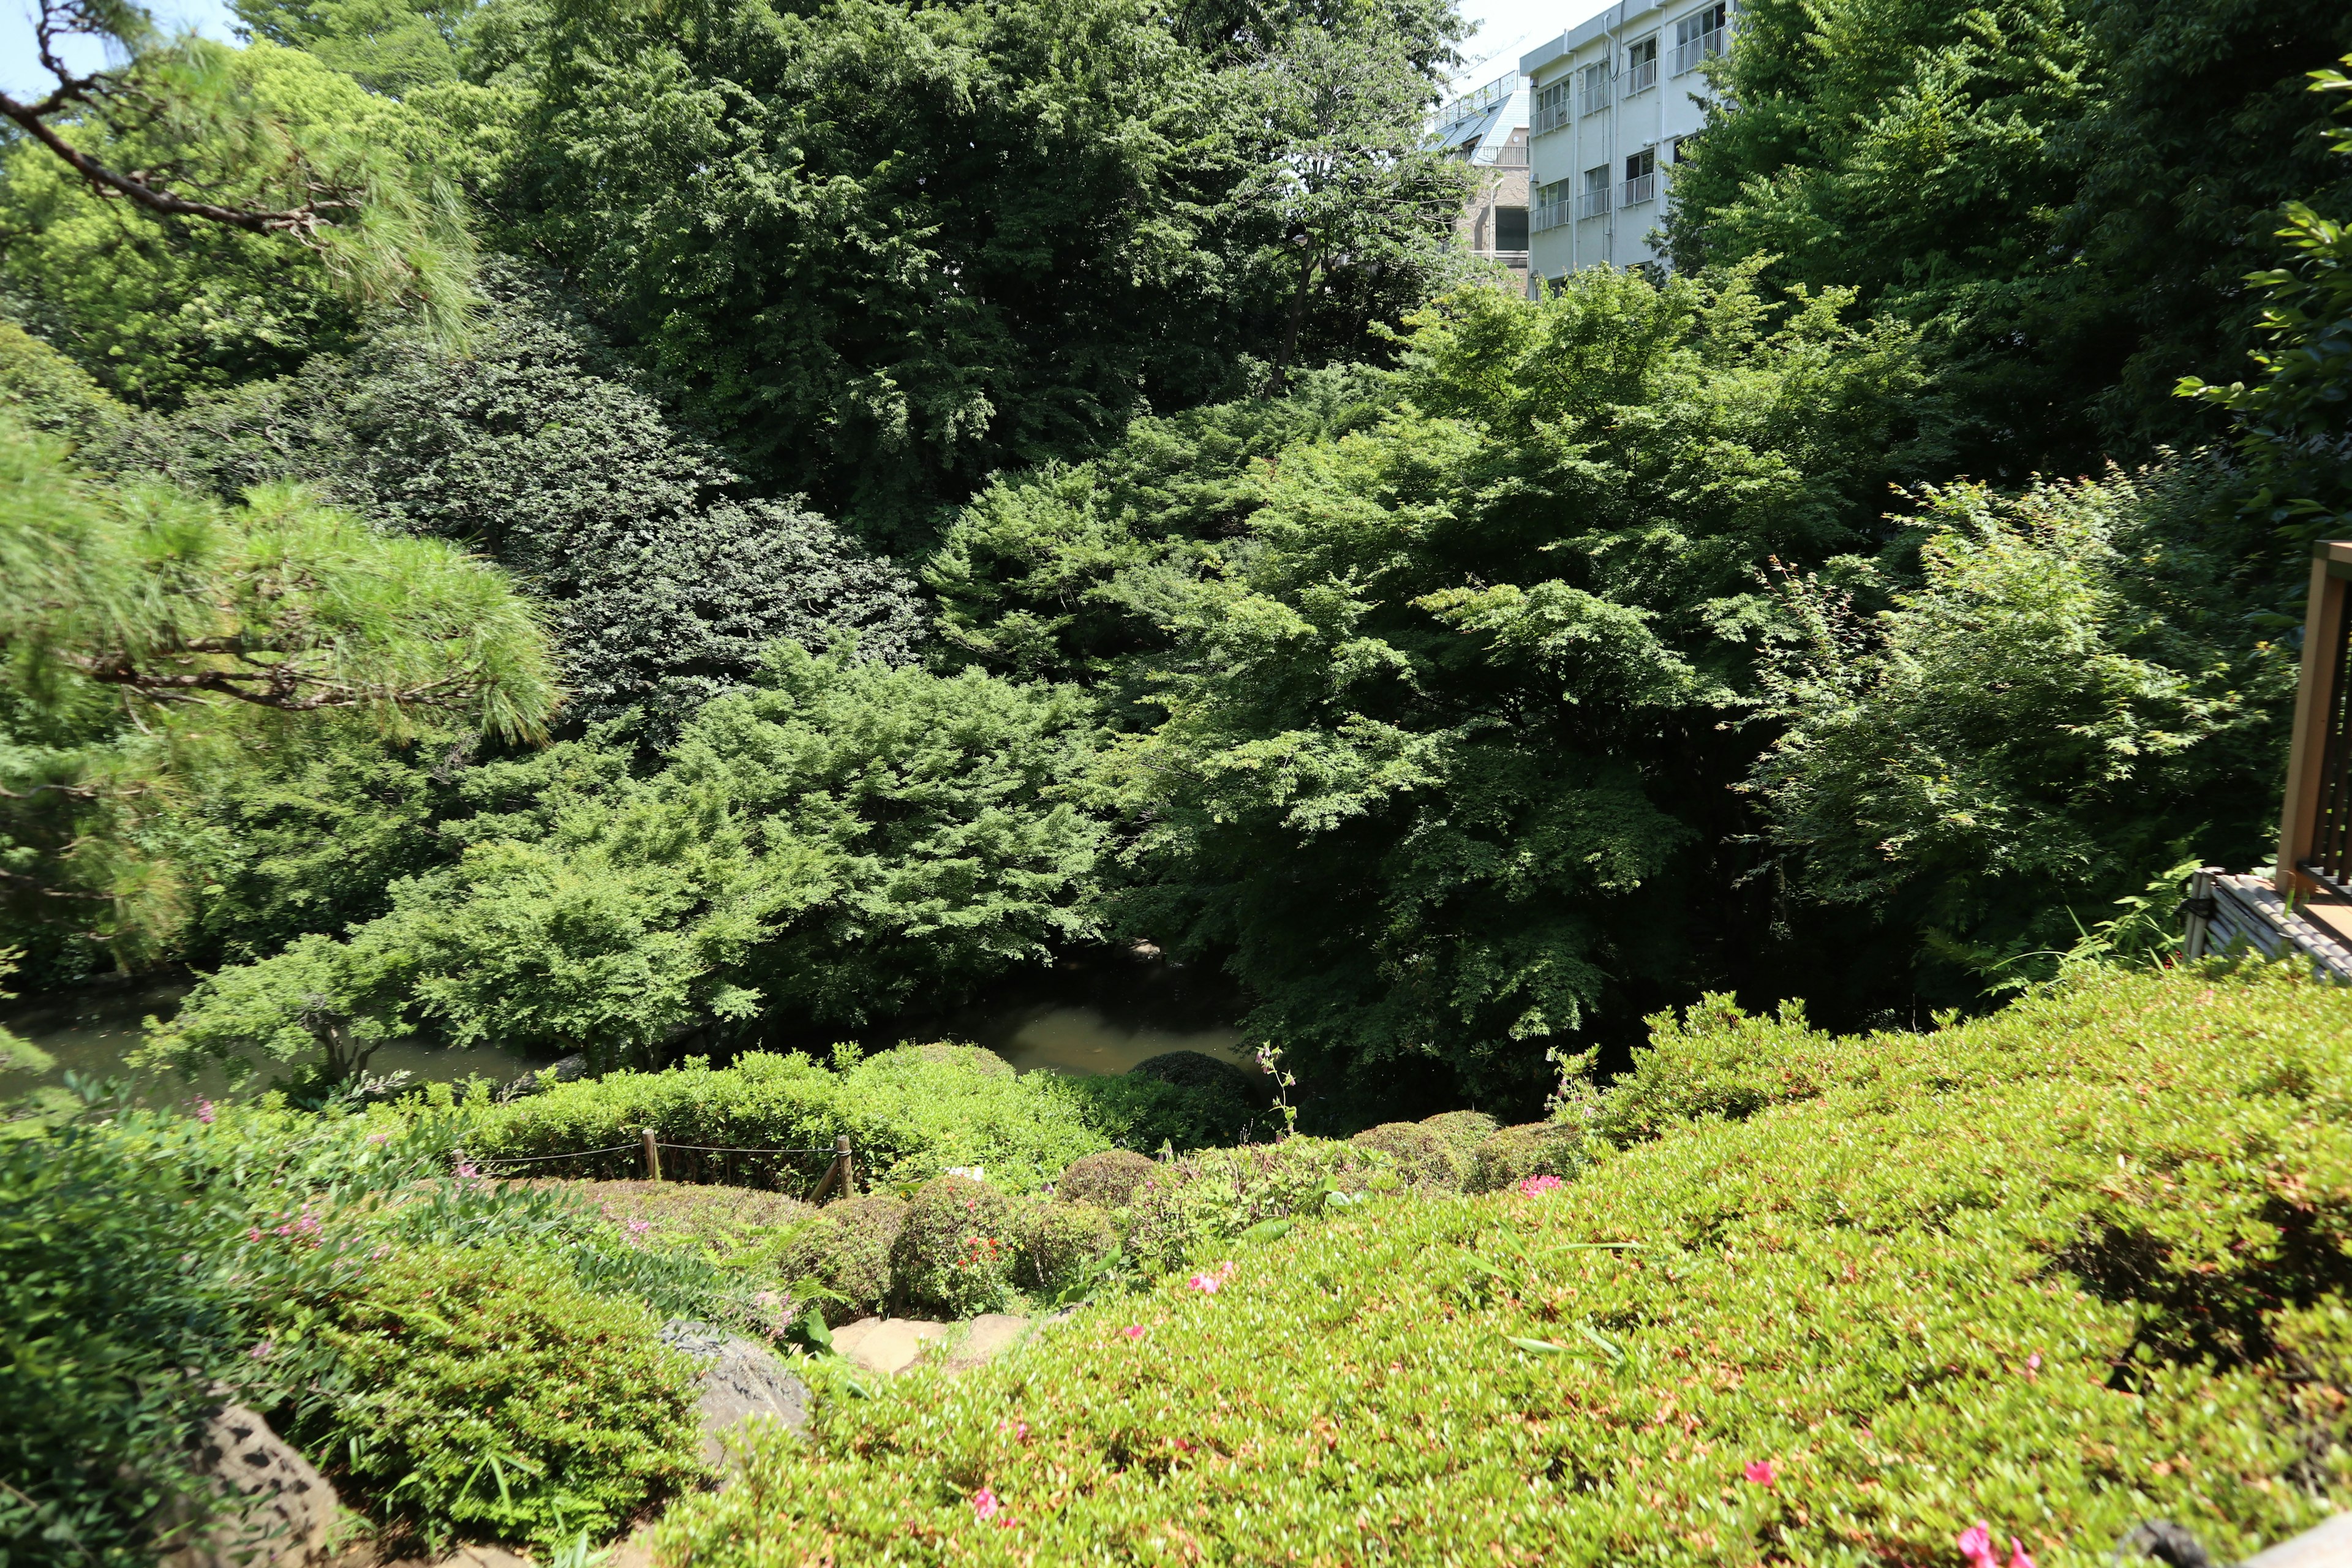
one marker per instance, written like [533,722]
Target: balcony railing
[1595,94]
[1551,112]
[1592,203]
[1706,47]
[1640,188]
[1642,78]
[1550,214]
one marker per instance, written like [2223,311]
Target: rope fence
[707,1164]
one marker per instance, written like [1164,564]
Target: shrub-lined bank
[2063,1269]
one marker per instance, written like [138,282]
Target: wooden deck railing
[2314,853]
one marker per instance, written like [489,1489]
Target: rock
[740,1379]
[278,1511]
[467,1557]
[989,1334]
[887,1345]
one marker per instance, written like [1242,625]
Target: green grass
[2065,1269]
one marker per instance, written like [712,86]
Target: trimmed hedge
[1214,1196]
[846,1247]
[955,1254]
[2082,1264]
[911,1112]
[1108,1179]
[1426,1159]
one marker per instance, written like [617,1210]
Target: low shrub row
[912,1112]
[2077,1266]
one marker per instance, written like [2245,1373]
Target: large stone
[275,1511]
[739,1381]
[887,1345]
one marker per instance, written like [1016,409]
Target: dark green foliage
[1425,1158]
[487,1394]
[902,247]
[847,840]
[2066,196]
[2072,699]
[1716,1060]
[1068,571]
[1061,1244]
[2294,423]
[956,1253]
[667,577]
[1194,1070]
[1446,737]
[1107,1180]
[846,1249]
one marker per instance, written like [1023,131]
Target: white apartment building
[1487,129]
[1612,98]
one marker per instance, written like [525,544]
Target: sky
[1507,28]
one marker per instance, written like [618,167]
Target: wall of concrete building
[1651,91]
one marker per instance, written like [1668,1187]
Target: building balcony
[1689,56]
[1642,78]
[1592,203]
[1640,188]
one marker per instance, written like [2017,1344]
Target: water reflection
[92,1030]
[1084,1040]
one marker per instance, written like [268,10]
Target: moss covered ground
[2063,1269]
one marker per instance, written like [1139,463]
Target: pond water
[1099,1012]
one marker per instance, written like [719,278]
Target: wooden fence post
[2200,908]
[2316,705]
[848,1168]
[653,1157]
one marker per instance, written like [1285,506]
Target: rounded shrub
[978,1058]
[1463,1131]
[1212,1195]
[1423,1158]
[1061,1244]
[453,1358]
[1536,1149]
[955,1254]
[846,1249]
[1107,1180]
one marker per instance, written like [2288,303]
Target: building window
[1553,203]
[1551,106]
[1596,87]
[1510,228]
[1642,66]
[1700,37]
[1595,200]
[1641,176]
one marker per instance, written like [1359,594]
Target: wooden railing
[2315,851]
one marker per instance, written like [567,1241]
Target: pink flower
[1760,1471]
[204,1112]
[1976,1544]
[2033,1363]
[1208,1284]
[466,1172]
[379,1138]
[253,1234]
[985,1503]
[639,1227]
[1133,1330]
[1535,1186]
[2017,1555]
[261,1352]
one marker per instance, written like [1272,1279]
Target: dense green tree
[888,250]
[2067,702]
[199,216]
[845,840]
[2064,193]
[2294,422]
[1449,738]
[668,576]
[150,640]
[1069,572]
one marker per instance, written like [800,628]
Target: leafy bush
[909,1113]
[1422,1157]
[2063,1269]
[846,1249]
[1463,1131]
[485,1393]
[1107,1180]
[1216,1194]
[1061,1242]
[724,1223]
[955,1254]
[1536,1149]
[1717,1060]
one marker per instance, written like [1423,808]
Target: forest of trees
[632,528]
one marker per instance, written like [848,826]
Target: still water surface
[1101,1013]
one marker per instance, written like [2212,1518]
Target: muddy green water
[1101,1013]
